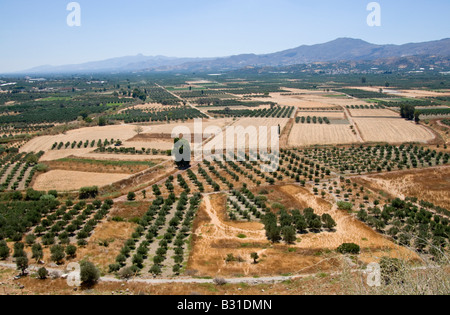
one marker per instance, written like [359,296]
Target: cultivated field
[328,114]
[251,127]
[62,180]
[312,134]
[392,130]
[373,113]
[119,132]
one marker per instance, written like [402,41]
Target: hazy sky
[35,32]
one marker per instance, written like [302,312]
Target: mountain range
[341,49]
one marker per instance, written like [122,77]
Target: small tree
[138,130]
[22,263]
[255,257]
[37,252]
[89,273]
[131,196]
[349,248]
[289,234]
[42,273]
[71,251]
[4,250]
[328,221]
[57,254]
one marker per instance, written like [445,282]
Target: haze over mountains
[342,49]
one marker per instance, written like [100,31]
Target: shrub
[4,250]
[71,251]
[131,196]
[57,253]
[345,205]
[88,192]
[126,273]
[349,248]
[89,273]
[42,273]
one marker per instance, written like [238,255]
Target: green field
[107,162]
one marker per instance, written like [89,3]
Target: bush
[22,263]
[89,273]
[349,248]
[88,192]
[114,268]
[131,196]
[71,251]
[126,273]
[42,273]
[345,205]
[57,253]
[4,250]
[220,281]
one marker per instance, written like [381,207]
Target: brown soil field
[317,134]
[373,113]
[155,144]
[169,128]
[44,143]
[432,185]
[220,142]
[115,233]
[330,115]
[392,130]
[348,230]
[73,180]
[215,237]
[130,210]
[86,167]
[124,157]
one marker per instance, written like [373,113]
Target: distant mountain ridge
[341,49]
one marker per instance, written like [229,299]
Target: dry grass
[312,134]
[373,113]
[392,130]
[215,237]
[44,143]
[220,142]
[73,180]
[431,185]
[80,166]
[115,233]
[130,210]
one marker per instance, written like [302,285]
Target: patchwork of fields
[350,171]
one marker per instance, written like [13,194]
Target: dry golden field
[216,237]
[373,113]
[432,185]
[72,180]
[312,134]
[392,130]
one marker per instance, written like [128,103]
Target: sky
[35,32]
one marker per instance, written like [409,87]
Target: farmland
[394,130]
[100,183]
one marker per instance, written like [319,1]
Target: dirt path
[225,231]
[183,100]
[439,122]
[352,122]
